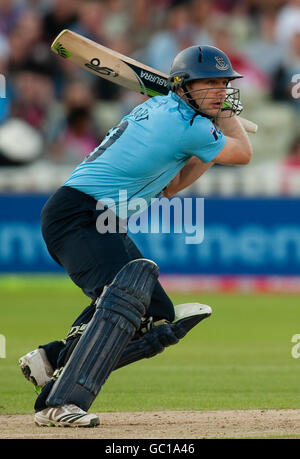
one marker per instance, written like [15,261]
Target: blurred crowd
[71,109]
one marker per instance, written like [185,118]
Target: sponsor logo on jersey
[213,131]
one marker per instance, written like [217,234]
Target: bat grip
[249,125]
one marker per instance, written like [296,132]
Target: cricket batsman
[160,148]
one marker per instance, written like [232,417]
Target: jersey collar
[187,109]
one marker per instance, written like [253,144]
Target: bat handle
[249,125]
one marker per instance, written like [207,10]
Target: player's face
[209,94]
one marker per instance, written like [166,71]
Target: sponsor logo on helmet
[177,79]
[221,64]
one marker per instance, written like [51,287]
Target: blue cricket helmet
[198,62]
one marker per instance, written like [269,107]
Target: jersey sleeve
[203,140]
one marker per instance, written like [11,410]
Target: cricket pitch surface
[166,425]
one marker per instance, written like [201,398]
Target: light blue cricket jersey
[141,156]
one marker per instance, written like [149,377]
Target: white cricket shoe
[65,416]
[36,367]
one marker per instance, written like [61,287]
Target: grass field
[239,358]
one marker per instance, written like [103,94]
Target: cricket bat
[116,67]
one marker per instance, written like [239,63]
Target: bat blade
[116,67]
[109,64]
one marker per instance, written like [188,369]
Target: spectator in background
[40,6]
[203,15]
[91,17]
[288,20]
[77,140]
[33,95]
[254,79]
[152,32]
[26,42]
[19,52]
[10,12]
[290,169]
[178,33]
[142,26]
[73,134]
[227,6]
[62,15]
[30,26]
[119,18]
[263,49]
[293,157]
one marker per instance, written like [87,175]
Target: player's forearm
[188,174]
[233,128]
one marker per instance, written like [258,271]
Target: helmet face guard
[214,102]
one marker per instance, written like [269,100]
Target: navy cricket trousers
[91,259]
